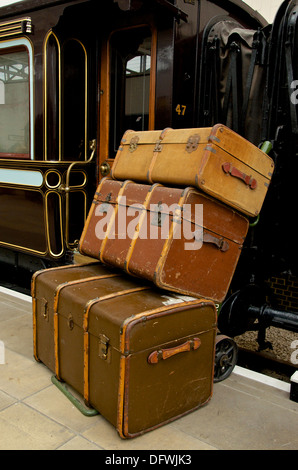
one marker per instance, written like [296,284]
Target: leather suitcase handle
[221,244]
[163,354]
[233,171]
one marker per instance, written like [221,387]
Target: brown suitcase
[43,286]
[155,244]
[215,159]
[140,356]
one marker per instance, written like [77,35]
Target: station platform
[248,411]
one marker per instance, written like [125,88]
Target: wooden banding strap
[157,150]
[139,225]
[112,219]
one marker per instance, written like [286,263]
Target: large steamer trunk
[140,356]
[179,239]
[214,159]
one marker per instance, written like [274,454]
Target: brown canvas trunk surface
[159,234]
[216,160]
[44,284]
[139,355]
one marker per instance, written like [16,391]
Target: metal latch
[133,143]
[103,208]
[103,346]
[70,322]
[192,143]
[157,218]
[44,309]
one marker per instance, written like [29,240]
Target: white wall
[267,8]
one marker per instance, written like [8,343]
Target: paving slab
[246,412]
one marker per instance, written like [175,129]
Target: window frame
[105,89]
[83,50]
[60,112]
[27,44]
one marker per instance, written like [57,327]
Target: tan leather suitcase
[159,234]
[140,356]
[216,160]
[43,286]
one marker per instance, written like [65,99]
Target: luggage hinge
[103,346]
[192,143]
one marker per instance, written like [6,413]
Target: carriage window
[52,99]
[14,103]
[65,99]
[130,83]
[74,117]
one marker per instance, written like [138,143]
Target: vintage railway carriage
[76,74]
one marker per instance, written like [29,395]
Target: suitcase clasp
[158,217]
[103,208]
[103,346]
[192,143]
[70,322]
[133,143]
[45,311]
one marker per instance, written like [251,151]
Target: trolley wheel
[226,354]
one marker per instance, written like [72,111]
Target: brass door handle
[104,168]
[66,189]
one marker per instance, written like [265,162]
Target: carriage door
[66,132]
[127,88]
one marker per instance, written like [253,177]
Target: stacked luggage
[134,331]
